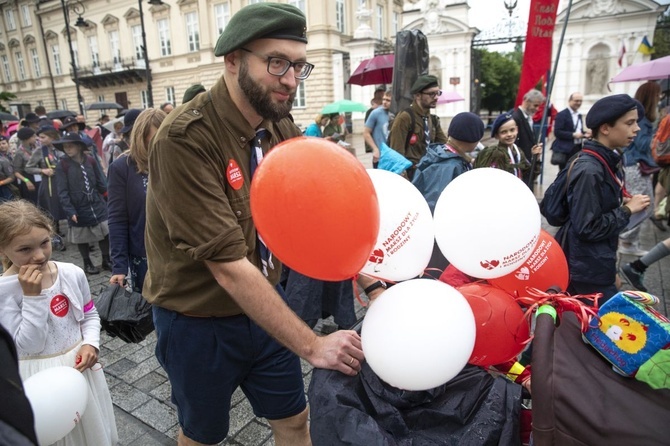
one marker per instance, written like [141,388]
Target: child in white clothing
[47,308]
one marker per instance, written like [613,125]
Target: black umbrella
[104,106]
[7,117]
[60,114]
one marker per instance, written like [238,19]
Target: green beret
[262,21]
[423,82]
[193,91]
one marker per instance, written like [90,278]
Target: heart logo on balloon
[377,256]
[489,264]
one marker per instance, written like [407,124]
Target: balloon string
[427,271]
[563,302]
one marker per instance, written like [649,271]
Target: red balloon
[316,208]
[545,268]
[500,323]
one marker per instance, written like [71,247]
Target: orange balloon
[499,321]
[545,268]
[316,208]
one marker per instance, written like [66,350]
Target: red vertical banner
[539,37]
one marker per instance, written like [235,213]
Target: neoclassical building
[107,44]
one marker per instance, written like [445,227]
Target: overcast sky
[486,13]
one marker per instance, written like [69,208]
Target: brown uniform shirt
[398,135]
[198,202]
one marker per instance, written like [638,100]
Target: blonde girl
[47,308]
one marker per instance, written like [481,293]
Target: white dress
[48,331]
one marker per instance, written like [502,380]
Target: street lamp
[78,8]
[150,94]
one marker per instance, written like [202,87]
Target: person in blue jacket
[315,128]
[127,181]
[444,162]
[599,206]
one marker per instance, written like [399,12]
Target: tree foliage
[662,36]
[500,74]
[5,96]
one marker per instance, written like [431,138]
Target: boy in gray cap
[599,206]
[220,319]
[415,127]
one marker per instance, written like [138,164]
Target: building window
[36,62]
[396,22]
[115,47]
[25,15]
[299,101]
[75,50]
[192,31]
[144,99]
[164,37]
[63,104]
[20,66]
[137,44]
[101,98]
[169,95]
[93,48]
[11,22]
[222,16]
[380,22]
[55,54]
[5,68]
[300,4]
[339,15]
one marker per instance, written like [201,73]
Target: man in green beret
[192,92]
[220,320]
[415,127]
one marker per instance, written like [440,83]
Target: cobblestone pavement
[141,392]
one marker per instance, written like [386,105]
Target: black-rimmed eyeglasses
[278,66]
[433,94]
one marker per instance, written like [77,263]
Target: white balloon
[58,396]
[406,235]
[418,334]
[487,222]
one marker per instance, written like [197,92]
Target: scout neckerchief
[616,179]
[256,158]
[426,130]
[50,161]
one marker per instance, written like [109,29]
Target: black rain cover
[411,61]
[472,409]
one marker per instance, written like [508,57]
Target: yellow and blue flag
[646,47]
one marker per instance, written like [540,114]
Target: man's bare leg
[183,440]
[292,431]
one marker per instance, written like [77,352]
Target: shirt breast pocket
[241,207]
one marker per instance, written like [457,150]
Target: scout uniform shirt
[416,148]
[198,202]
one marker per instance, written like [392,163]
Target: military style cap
[466,127]
[423,82]
[500,120]
[192,92]
[25,133]
[611,108]
[262,21]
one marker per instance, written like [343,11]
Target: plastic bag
[392,161]
[124,313]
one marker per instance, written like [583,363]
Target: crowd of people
[224,314]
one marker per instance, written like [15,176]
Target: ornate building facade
[107,45]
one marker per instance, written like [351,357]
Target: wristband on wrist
[26,180]
[547,309]
[374,286]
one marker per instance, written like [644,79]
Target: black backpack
[554,205]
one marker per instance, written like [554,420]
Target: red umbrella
[378,70]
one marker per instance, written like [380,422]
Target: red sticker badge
[413,139]
[60,305]
[234,175]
